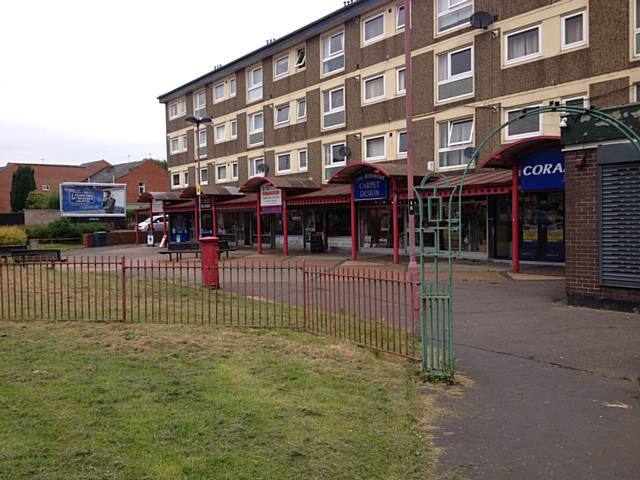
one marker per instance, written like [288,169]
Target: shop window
[455,74]
[574,30]
[373,28]
[453,138]
[256,129]
[333,159]
[374,89]
[333,105]
[254,84]
[375,148]
[453,13]
[523,45]
[332,53]
[282,114]
[199,102]
[284,163]
[525,127]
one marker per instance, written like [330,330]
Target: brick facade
[153,176]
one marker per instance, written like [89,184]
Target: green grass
[59,246]
[111,401]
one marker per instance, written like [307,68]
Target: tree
[36,199]
[22,182]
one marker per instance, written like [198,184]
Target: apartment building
[319,116]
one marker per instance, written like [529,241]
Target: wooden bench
[178,248]
[225,248]
[25,255]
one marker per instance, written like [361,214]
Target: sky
[80,78]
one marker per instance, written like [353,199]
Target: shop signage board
[270,196]
[371,186]
[542,170]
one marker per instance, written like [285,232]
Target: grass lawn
[113,401]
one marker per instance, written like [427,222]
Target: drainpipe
[515,227]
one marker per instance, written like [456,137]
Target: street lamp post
[197,121]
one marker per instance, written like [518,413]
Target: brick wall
[154,177]
[582,239]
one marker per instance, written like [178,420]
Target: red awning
[219,192]
[388,169]
[290,185]
[509,155]
[159,196]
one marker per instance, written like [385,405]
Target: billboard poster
[93,199]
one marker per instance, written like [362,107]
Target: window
[204,176]
[175,180]
[575,102]
[525,127]
[257,167]
[256,129]
[523,45]
[302,109]
[402,144]
[234,171]
[453,13]
[221,172]
[234,129]
[453,138]
[221,134]
[202,143]
[173,110]
[282,66]
[282,114]
[183,143]
[455,74]
[174,146]
[218,92]
[200,100]
[301,58]
[284,163]
[399,17]
[254,84]
[186,179]
[302,160]
[333,159]
[374,89]
[373,28]
[332,53]
[375,148]
[232,87]
[574,30]
[46,188]
[333,103]
[637,27]
[177,109]
[400,88]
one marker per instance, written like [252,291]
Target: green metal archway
[440,210]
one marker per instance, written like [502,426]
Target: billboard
[93,199]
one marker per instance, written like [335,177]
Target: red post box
[209,254]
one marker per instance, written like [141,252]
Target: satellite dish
[469,151]
[481,19]
[262,168]
[344,152]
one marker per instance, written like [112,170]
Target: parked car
[158,220]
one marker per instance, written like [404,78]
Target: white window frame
[364,28]
[233,91]
[398,8]
[404,90]
[172,105]
[46,187]
[335,110]
[398,152]
[366,100]
[298,102]
[449,148]
[237,169]
[333,164]
[185,176]
[251,87]
[173,151]
[231,123]
[526,57]
[195,102]
[216,99]
[218,178]
[585,30]
[252,167]
[522,135]
[224,131]
[204,181]
[306,167]
[275,117]
[384,148]
[584,98]
[331,56]
[251,130]
[297,64]
[276,75]
[454,78]
[453,6]
[175,176]
[278,162]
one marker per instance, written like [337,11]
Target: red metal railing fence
[369,307]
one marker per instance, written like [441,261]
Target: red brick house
[48,177]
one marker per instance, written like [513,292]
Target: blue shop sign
[371,186]
[542,170]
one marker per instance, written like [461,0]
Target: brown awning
[388,169]
[482,178]
[509,155]
[293,186]
[159,196]
[218,191]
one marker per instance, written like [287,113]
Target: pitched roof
[109,174]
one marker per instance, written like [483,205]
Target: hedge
[63,228]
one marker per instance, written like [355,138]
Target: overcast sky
[80,78]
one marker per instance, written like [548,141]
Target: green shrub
[12,236]
[63,228]
[40,200]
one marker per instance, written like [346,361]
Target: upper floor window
[232,87]
[453,138]
[254,84]
[221,173]
[46,188]
[202,143]
[332,53]
[453,13]
[523,45]
[455,74]
[204,176]
[177,109]
[221,134]
[574,30]
[256,129]
[284,163]
[525,127]
[234,170]
[218,92]
[281,66]
[199,104]
[374,89]
[302,109]
[333,159]
[178,144]
[575,102]
[333,104]
[399,17]
[234,129]
[375,148]
[400,88]
[302,160]
[282,114]
[175,180]
[402,144]
[636,26]
[186,179]
[257,167]
[373,28]
[301,58]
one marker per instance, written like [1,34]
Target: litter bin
[99,239]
